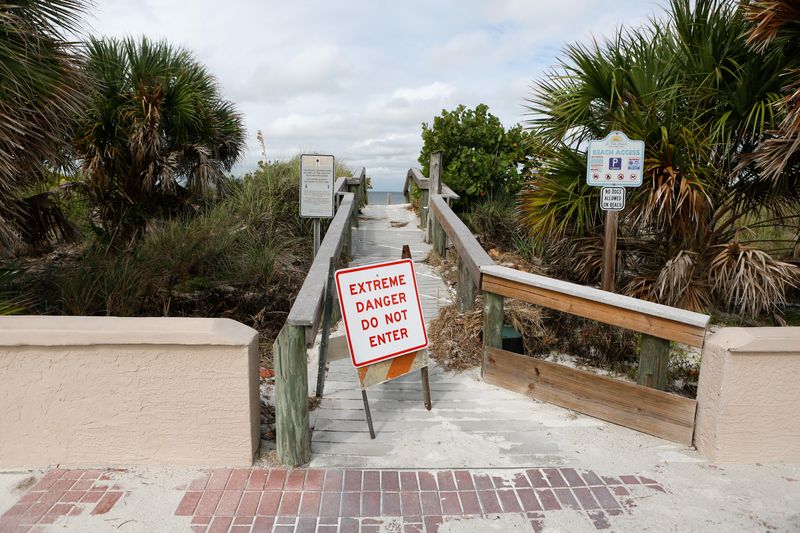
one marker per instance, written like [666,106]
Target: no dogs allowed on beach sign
[381,310]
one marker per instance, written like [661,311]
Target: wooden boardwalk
[472,424]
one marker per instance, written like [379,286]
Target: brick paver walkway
[62,493]
[353,501]
[347,501]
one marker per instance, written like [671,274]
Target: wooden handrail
[415,175]
[469,249]
[654,319]
[307,307]
[293,433]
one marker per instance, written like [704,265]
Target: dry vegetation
[457,338]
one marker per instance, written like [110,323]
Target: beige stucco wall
[107,391]
[748,397]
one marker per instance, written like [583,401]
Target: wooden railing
[293,434]
[639,406]
[421,183]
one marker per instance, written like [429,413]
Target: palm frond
[750,280]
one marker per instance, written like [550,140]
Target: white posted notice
[612,198]
[381,311]
[317,179]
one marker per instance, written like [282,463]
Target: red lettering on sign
[387,337]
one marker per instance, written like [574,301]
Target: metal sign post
[317,179]
[613,163]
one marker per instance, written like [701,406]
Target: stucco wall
[106,391]
[748,397]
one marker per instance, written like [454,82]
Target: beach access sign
[317,179]
[615,161]
[381,311]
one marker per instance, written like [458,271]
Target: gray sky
[357,78]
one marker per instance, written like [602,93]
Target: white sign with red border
[381,310]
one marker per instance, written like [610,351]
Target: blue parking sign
[614,163]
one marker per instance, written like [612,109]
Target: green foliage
[702,100]
[480,157]
[494,221]
[10,302]
[157,133]
[41,97]
[243,256]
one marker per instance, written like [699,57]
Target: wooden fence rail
[444,225]
[293,434]
[654,319]
[415,177]
[643,408]
[471,255]
[639,406]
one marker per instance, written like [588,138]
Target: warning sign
[381,311]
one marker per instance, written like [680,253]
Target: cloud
[433,91]
[356,78]
[314,70]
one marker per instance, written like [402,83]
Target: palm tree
[776,30]
[41,97]
[157,132]
[693,90]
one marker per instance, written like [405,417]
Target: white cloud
[433,91]
[357,77]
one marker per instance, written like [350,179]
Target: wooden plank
[653,362]
[636,318]
[492,324]
[650,411]
[618,300]
[465,290]
[468,247]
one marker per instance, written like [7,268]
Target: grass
[242,255]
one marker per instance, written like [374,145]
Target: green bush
[224,260]
[480,157]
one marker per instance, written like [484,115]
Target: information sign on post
[615,161]
[317,178]
[612,198]
[381,311]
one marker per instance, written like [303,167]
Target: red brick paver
[352,500]
[61,494]
[411,501]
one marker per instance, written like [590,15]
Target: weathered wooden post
[434,187]
[293,434]
[423,208]
[610,251]
[356,190]
[653,362]
[465,290]
[492,325]
[439,237]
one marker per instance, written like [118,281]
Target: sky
[357,78]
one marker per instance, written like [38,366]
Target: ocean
[381,197]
